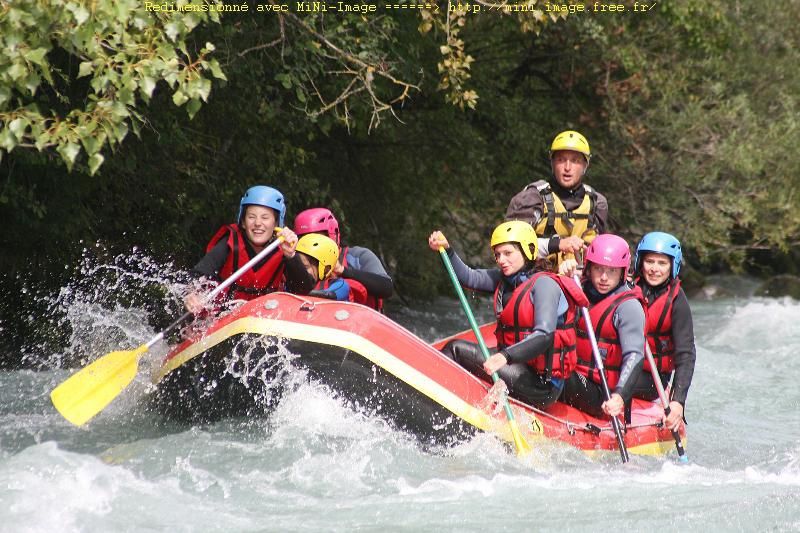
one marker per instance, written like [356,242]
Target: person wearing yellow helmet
[566,213]
[319,255]
[536,316]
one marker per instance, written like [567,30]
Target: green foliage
[72,74]
[455,66]
[692,134]
[701,127]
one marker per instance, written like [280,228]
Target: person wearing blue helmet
[669,328]
[262,211]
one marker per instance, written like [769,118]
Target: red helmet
[315,220]
[609,250]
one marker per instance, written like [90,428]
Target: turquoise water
[315,465]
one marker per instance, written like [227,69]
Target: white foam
[748,323]
[48,489]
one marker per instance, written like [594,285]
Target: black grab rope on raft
[589,427]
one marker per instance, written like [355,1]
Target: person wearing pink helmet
[617,315]
[360,267]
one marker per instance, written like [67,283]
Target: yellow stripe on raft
[365,348]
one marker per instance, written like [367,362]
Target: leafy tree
[402,122]
[73,74]
[696,125]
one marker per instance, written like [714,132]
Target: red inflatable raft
[237,365]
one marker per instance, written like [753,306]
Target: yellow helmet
[322,248]
[519,232]
[571,140]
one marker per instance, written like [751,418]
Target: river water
[316,465]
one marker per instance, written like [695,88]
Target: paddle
[519,441]
[598,361]
[664,402]
[91,389]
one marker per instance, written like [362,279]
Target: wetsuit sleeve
[484,280]
[629,322]
[370,273]
[685,352]
[211,263]
[545,296]
[298,280]
[601,213]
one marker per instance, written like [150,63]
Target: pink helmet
[317,219]
[609,250]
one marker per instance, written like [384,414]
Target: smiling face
[509,258]
[258,223]
[605,278]
[655,268]
[569,167]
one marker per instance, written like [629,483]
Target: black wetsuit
[685,352]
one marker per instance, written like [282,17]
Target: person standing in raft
[567,214]
[261,210]
[360,267]
[617,314]
[670,332]
[536,315]
[320,254]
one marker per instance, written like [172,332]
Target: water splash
[110,302]
[750,319]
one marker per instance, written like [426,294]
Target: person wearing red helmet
[261,213]
[617,316]
[360,267]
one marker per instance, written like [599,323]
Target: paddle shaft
[230,280]
[598,361]
[664,401]
[474,325]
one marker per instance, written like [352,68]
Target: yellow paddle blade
[91,389]
[523,448]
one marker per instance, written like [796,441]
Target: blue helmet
[661,243]
[265,197]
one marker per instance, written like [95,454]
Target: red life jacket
[601,315]
[359,293]
[516,320]
[255,282]
[659,329]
